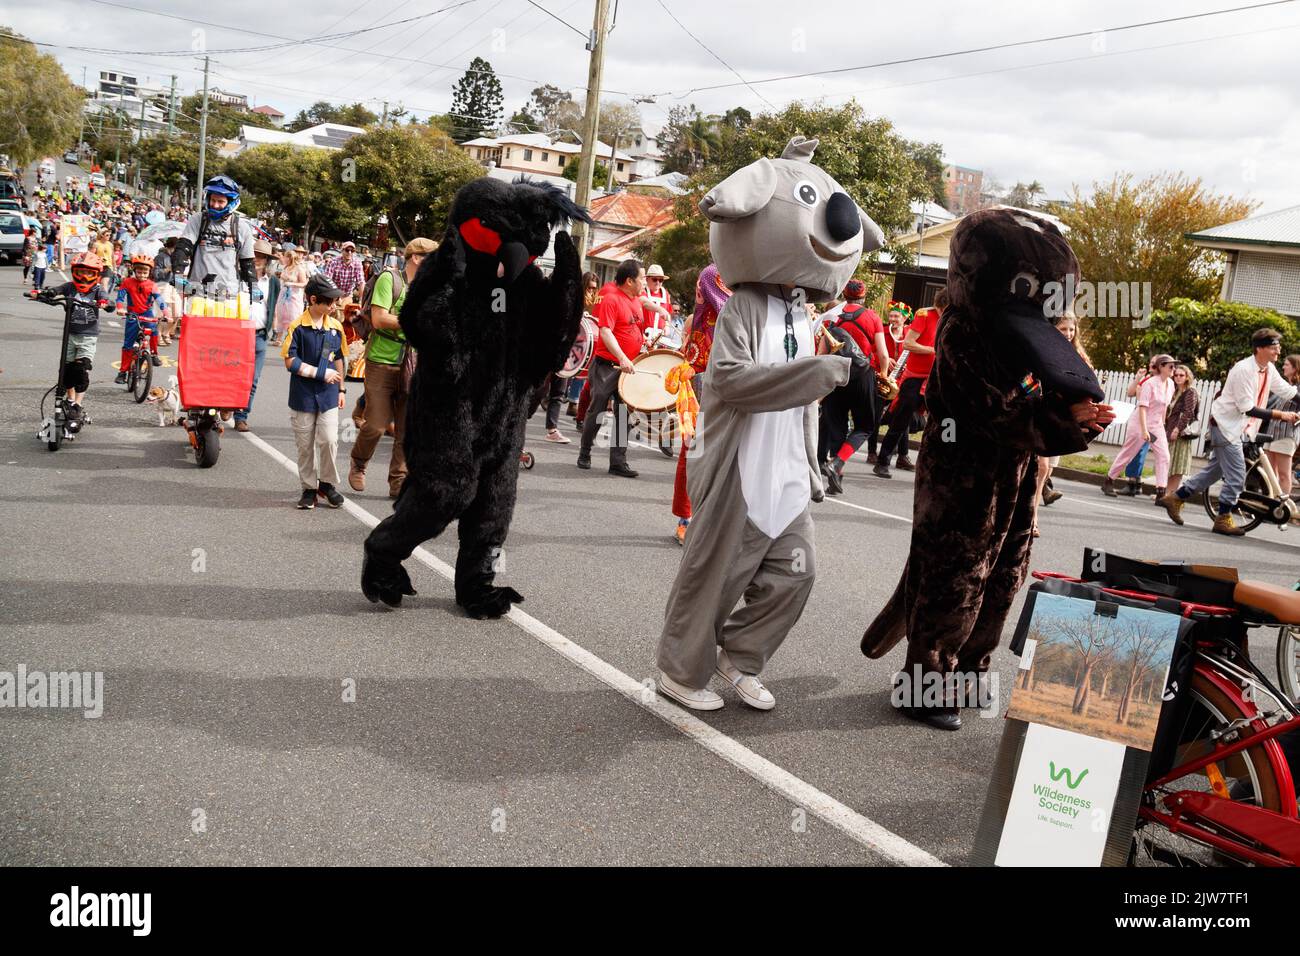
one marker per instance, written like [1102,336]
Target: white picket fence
[1116,384]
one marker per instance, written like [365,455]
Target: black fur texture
[484,344]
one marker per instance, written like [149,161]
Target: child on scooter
[143,305]
[84,303]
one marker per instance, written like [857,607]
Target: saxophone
[887,385]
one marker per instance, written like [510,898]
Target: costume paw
[489,602]
[384,582]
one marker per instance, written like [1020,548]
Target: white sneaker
[748,686]
[704,699]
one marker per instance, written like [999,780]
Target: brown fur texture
[976,472]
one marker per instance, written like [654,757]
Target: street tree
[877,167]
[40,108]
[224,120]
[173,161]
[599,176]
[323,111]
[405,175]
[476,101]
[548,104]
[617,119]
[1131,230]
[300,186]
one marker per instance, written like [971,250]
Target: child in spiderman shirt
[143,305]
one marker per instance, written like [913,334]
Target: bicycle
[1232,717]
[139,377]
[1261,497]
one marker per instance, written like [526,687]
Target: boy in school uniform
[314,354]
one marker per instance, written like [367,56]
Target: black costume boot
[1108,487]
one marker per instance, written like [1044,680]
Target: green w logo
[1070,782]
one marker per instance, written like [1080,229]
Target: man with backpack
[857,397]
[386,354]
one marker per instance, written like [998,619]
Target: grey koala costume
[775,224]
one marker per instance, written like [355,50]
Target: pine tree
[476,102]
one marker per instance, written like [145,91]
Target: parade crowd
[335,311]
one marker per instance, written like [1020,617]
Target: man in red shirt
[858,396]
[919,344]
[657,303]
[619,318]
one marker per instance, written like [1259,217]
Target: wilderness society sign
[1056,801]
[1060,804]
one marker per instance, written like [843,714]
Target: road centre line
[854,825]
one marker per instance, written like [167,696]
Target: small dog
[167,402]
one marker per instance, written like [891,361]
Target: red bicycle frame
[1276,832]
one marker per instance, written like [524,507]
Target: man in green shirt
[385,394]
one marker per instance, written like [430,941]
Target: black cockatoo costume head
[1005,267]
[503,227]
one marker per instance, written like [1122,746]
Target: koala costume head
[787,222]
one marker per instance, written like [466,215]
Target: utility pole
[171,108]
[613,151]
[81,137]
[591,122]
[203,128]
[384,121]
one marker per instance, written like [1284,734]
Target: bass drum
[583,347]
[643,390]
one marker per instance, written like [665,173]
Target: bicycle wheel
[142,377]
[1288,662]
[1249,520]
[131,373]
[1251,777]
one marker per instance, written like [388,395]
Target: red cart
[215,375]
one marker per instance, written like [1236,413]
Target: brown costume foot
[939,718]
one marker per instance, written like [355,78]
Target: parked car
[11,204]
[97,180]
[70,156]
[12,236]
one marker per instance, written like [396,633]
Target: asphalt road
[229,625]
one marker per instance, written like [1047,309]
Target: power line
[983,49]
[411,42]
[714,55]
[399,50]
[289,41]
[298,61]
[580,33]
[1059,62]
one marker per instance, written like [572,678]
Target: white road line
[803,794]
[848,504]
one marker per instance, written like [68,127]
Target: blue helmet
[222,186]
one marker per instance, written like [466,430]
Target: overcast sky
[1216,97]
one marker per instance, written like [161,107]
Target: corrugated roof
[624,247]
[630,209]
[1280,228]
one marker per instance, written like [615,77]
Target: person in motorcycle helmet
[217,241]
[84,303]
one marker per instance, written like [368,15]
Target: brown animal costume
[975,476]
